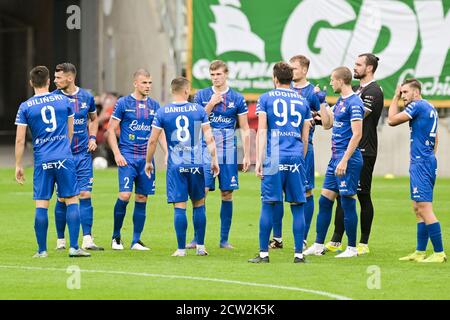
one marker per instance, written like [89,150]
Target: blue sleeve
[197,98]
[314,103]
[205,119]
[356,112]
[412,110]
[242,106]
[91,102]
[261,105]
[158,119]
[70,109]
[21,117]
[118,110]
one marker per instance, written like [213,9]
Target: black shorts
[365,179]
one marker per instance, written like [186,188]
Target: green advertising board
[411,38]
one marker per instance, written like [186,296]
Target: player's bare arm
[19,150]
[305,136]
[326,116]
[262,140]
[341,168]
[395,117]
[93,129]
[209,138]
[245,135]
[70,127]
[151,148]
[112,141]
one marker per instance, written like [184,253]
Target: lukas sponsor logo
[219,118]
[135,126]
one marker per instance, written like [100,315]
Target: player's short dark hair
[304,61]
[344,74]
[218,64]
[66,67]
[179,84]
[371,60]
[414,83]
[283,72]
[141,72]
[39,76]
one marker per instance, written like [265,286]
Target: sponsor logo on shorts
[54,165]
[193,170]
[289,167]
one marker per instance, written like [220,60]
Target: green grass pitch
[223,274]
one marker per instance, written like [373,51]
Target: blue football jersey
[286,112]
[182,123]
[46,116]
[136,117]
[83,103]
[307,92]
[223,119]
[423,127]
[345,111]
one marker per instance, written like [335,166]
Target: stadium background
[114,38]
[108,40]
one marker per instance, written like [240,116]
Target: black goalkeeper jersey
[373,98]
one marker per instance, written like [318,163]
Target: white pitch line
[142,274]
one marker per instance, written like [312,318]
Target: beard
[359,75]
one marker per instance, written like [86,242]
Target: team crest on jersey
[83,105]
[151,112]
[343,184]
[231,105]
[131,136]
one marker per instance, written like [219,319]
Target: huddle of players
[199,139]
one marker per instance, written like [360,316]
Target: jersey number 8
[182,130]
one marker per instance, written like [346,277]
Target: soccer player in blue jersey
[344,168]
[283,129]
[225,108]
[134,114]
[300,66]
[50,119]
[423,122]
[83,143]
[183,123]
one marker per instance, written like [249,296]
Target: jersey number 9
[52,119]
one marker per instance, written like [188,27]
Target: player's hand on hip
[149,169]
[92,145]
[120,160]
[215,169]
[20,175]
[259,170]
[341,168]
[245,163]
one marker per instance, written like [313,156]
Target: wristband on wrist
[92,137]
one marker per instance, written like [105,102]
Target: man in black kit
[372,95]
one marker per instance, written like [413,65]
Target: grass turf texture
[393,236]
